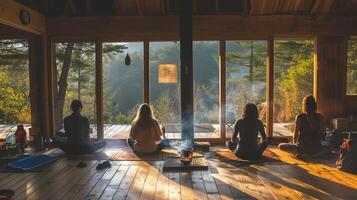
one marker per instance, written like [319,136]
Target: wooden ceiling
[79,8]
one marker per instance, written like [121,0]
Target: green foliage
[293,74]
[81,76]
[352,68]
[246,75]
[163,108]
[14,82]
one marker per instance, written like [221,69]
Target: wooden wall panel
[330,75]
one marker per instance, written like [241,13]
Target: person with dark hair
[77,138]
[248,129]
[308,130]
[145,133]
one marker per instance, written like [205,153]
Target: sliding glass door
[75,78]
[293,79]
[165,91]
[245,79]
[123,87]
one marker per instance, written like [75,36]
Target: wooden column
[186,70]
[99,88]
[270,88]
[36,77]
[222,87]
[50,61]
[39,89]
[146,72]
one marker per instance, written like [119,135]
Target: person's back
[248,129]
[309,135]
[76,128]
[307,130]
[248,134]
[146,137]
[145,133]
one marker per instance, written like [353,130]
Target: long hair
[250,111]
[309,104]
[144,117]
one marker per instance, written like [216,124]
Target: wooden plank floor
[290,179]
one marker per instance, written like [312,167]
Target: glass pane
[165,97]
[75,64]
[14,86]
[245,79]
[206,89]
[352,67]
[123,86]
[293,79]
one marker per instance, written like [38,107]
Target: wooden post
[40,90]
[36,92]
[99,88]
[270,88]
[186,71]
[222,87]
[49,63]
[146,72]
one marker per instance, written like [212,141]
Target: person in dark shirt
[248,129]
[308,131]
[77,133]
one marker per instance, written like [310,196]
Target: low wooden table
[174,164]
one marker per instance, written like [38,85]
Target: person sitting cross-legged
[76,139]
[308,131]
[248,129]
[145,133]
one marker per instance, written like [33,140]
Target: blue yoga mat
[32,162]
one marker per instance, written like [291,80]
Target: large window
[14,85]
[75,64]
[293,79]
[206,89]
[123,86]
[165,85]
[352,67]
[245,79]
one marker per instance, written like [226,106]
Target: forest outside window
[75,75]
[293,79]
[15,105]
[352,67]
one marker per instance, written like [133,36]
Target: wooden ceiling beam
[194,9]
[163,7]
[117,7]
[72,7]
[9,15]
[139,7]
[88,7]
[322,7]
[204,27]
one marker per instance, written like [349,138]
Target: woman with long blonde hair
[146,136]
[308,130]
